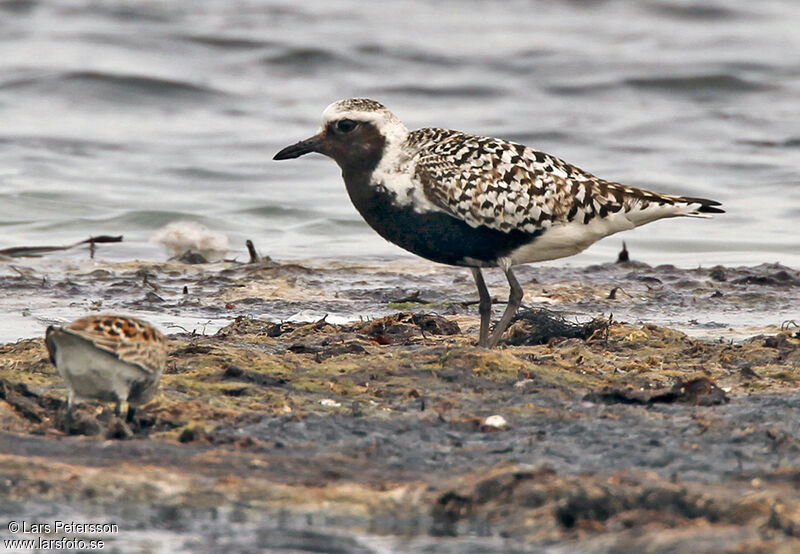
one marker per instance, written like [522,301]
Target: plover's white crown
[505,186]
[364,109]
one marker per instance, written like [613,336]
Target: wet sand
[671,426]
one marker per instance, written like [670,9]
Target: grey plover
[476,201]
[108,357]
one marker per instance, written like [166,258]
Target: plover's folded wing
[439,178]
[507,186]
[129,339]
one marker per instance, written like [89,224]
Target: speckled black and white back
[506,187]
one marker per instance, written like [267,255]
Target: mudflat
[345,407]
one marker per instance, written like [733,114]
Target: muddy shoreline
[344,407]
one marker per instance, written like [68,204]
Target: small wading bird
[475,201]
[110,358]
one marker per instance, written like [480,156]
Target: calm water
[121,117]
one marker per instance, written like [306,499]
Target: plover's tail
[644,207]
[701,206]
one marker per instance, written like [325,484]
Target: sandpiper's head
[354,133]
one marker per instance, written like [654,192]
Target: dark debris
[540,326]
[700,392]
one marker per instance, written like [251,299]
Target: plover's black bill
[299,149]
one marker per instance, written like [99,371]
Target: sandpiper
[108,357]
[476,201]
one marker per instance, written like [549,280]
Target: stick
[23,251]
[254,257]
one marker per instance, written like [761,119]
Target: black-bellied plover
[108,357]
[476,201]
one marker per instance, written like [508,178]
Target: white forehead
[361,109]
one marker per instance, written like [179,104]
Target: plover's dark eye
[346,125]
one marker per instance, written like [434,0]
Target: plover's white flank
[476,201]
[108,357]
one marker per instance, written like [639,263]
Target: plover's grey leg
[514,302]
[131,413]
[484,306]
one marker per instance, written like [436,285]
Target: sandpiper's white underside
[91,373]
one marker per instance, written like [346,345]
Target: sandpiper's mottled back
[476,201]
[108,357]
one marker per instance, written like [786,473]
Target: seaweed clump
[541,326]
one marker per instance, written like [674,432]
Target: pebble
[496,421]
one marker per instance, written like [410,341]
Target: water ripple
[791,142]
[708,84]
[307,60]
[229,43]
[409,55]
[434,91]
[18,6]
[111,87]
[280,211]
[695,11]
[61,145]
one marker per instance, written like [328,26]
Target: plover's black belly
[434,235]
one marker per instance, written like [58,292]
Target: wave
[228,43]
[713,83]
[330,225]
[708,84]
[695,11]
[583,89]
[274,211]
[454,91]
[61,145]
[306,60]
[408,55]
[111,87]
[132,219]
[123,12]
[18,6]
[203,174]
[791,142]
